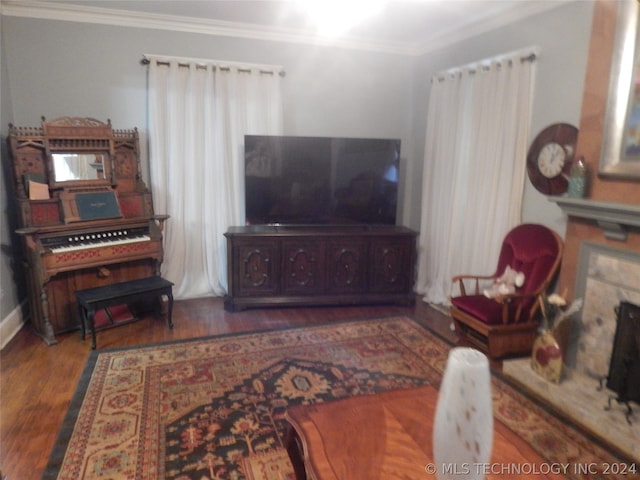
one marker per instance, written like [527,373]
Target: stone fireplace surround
[606,275]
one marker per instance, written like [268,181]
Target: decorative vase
[546,356]
[578,179]
[463,423]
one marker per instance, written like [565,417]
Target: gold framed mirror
[79,152]
[620,155]
[78,166]
[74,169]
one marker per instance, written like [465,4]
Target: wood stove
[624,368]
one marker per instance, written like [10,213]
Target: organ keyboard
[80,241]
[91,222]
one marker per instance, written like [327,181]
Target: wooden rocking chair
[506,325]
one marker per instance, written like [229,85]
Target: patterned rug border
[66,430]
[68,423]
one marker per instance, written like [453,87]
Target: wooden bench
[92,299]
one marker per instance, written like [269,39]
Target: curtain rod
[532,57]
[146,61]
[529,58]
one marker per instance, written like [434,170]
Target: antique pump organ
[86,216]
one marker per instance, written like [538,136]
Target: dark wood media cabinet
[270,265]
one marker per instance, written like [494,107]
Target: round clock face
[551,159]
[550,156]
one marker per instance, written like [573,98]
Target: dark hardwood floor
[38,381]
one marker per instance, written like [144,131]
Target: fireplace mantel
[615,219]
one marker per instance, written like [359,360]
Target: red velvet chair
[507,325]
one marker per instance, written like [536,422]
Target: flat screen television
[320,180]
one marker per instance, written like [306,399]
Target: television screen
[320,180]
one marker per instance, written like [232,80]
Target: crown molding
[105,16]
[478,27]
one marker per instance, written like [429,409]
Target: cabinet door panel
[392,265]
[303,267]
[258,268]
[346,266]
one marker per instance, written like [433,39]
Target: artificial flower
[554,309]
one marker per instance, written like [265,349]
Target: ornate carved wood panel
[390,257]
[347,265]
[257,268]
[302,266]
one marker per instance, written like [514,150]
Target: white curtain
[199,112]
[474,169]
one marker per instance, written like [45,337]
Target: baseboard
[11,325]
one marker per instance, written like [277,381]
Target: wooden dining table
[389,436]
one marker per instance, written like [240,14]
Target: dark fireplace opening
[624,368]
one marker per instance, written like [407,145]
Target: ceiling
[399,26]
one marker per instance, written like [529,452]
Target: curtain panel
[474,168]
[199,112]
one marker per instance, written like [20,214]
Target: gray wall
[11,274]
[58,68]
[563,36]
[61,68]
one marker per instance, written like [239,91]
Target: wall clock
[550,157]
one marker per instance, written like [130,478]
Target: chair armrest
[460,280]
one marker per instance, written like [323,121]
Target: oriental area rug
[213,408]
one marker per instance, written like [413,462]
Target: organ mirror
[79,152]
[80,166]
